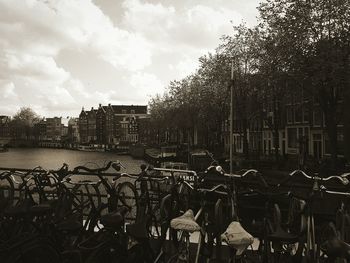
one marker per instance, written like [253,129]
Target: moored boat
[90,148]
[3,148]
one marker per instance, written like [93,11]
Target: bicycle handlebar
[116,165]
[324,189]
[250,171]
[342,178]
[220,170]
[214,189]
[267,194]
[127,175]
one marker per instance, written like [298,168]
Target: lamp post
[231,116]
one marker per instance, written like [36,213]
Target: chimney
[109,105]
[92,108]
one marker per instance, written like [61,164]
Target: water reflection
[54,158]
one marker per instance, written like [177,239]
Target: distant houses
[301,130]
[110,126]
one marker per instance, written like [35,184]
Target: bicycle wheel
[90,196]
[127,196]
[165,207]
[7,192]
[174,259]
[218,227]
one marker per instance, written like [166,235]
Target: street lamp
[231,116]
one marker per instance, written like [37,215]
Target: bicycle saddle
[114,219]
[235,236]
[186,222]
[336,248]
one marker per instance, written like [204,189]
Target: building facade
[293,126]
[83,126]
[91,126]
[73,130]
[111,125]
[53,129]
[101,118]
[40,131]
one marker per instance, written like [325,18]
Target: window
[305,114]
[298,114]
[123,111]
[316,137]
[132,111]
[289,114]
[340,144]
[292,138]
[318,117]
[300,132]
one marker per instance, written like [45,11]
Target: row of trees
[298,47]
[23,122]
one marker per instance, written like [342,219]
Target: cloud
[184,34]
[57,56]
[8,91]
[45,30]
[146,84]
[197,26]
[184,67]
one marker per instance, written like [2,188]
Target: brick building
[111,125]
[126,122]
[73,130]
[54,128]
[40,131]
[83,126]
[91,126]
[101,119]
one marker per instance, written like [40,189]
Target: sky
[57,56]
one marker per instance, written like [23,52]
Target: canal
[51,159]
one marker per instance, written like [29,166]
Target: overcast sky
[59,55]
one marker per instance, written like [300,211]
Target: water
[52,159]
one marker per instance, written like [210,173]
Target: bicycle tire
[173,259]
[86,192]
[127,196]
[165,207]
[219,221]
[7,192]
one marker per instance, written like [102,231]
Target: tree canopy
[26,116]
[299,52]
